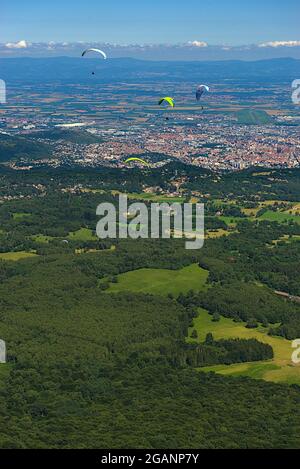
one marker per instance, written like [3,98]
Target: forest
[91,369]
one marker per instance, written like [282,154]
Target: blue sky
[233,22]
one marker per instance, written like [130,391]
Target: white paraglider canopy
[99,51]
[201,90]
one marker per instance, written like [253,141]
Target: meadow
[253,117]
[161,281]
[16,256]
[83,234]
[280,217]
[165,282]
[280,369]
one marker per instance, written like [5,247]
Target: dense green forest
[90,369]
[249,186]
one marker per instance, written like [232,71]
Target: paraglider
[201,90]
[138,160]
[167,100]
[98,51]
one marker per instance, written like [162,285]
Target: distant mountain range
[71,70]
[188,51]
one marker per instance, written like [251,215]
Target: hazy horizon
[192,51]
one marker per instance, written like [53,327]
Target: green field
[21,216]
[253,117]
[280,217]
[84,234]
[161,281]
[232,221]
[42,239]
[280,369]
[153,197]
[16,256]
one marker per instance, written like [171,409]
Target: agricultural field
[253,117]
[16,256]
[280,217]
[162,281]
[280,369]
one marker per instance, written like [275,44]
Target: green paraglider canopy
[167,100]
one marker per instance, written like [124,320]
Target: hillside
[17,148]
[72,136]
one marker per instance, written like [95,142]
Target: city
[233,128]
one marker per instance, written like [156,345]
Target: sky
[232,22]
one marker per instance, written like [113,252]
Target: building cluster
[209,145]
[216,136]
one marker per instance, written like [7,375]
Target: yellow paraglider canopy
[138,160]
[167,100]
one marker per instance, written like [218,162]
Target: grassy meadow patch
[16,256]
[161,281]
[280,369]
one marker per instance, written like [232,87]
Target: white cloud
[17,45]
[197,44]
[281,44]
